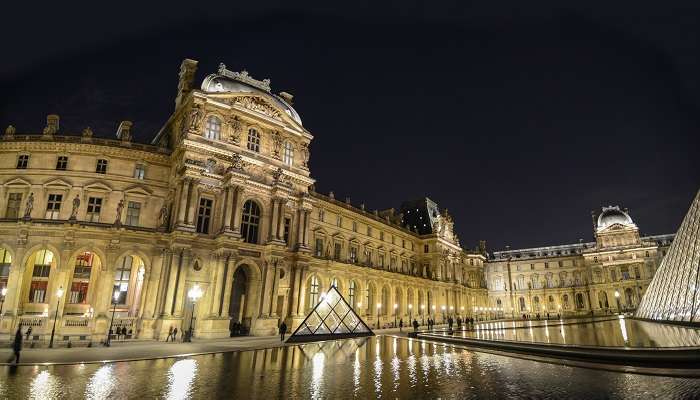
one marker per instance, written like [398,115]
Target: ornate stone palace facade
[222,199]
[605,276]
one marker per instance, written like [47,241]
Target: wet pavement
[616,332]
[379,367]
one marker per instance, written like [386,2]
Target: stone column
[237,208]
[191,204]
[228,209]
[300,229]
[153,279]
[180,292]
[182,206]
[295,290]
[266,289]
[280,221]
[173,275]
[273,220]
[306,228]
[217,280]
[228,286]
[275,289]
[163,282]
[14,283]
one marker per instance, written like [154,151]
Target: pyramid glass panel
[331,318]
[674,294]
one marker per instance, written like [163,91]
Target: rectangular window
[78,293]
[403,243]
[339,221]
[354,226]
[561,264]
[62,163]
[22,161]
[133,211]
[321,215]
[546,265]
[336,251]
[139,171]
[204,215]
[426,249]
[122,277]
[37,291]
[287,229]
[14,204]
[101,167]
[319,247]
[369,231]
[41,271]
[53,206]
[94,207]
[532,266]
[381,260]
[381,236]
[353,254]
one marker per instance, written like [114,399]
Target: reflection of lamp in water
[617,299]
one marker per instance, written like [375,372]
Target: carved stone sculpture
[10,131]
[30,205]
[195,117]
[87,132]
[163,216]
[76,206]
[120,207]
[236,129]
[305,155]
[276,144]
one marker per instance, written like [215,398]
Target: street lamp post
[379,305]
[617,299]
[115,298]
[194,294]
[59,293]
[396,308]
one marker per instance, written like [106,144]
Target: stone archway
[239,323]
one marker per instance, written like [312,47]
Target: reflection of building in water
[604,276]
[222,198]
[673,294]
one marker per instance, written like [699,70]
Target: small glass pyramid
[331,318]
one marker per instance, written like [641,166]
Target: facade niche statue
[76,206]
[163,217]
[29,207]
[236,129]
[195,117]
[276,144]
[120,208]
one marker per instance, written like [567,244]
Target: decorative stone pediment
[17,182]
[57,184]
[138,190]
[98,186]
[255,104]
[338,236]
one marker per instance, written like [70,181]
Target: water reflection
[180,378]
[101,383]
[616,332]
[383,367]
[44,386]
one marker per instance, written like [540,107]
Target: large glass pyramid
[331,318]
[673,294]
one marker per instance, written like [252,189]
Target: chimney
[188,68]
[288,97]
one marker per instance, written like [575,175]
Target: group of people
[172,334]
[467,322]
[537,316]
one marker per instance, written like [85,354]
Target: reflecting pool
[615,332]
[379,367]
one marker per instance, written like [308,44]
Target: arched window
[250,222]
[334,283]
[536,303]
[603,300]
[43,260]
[565,301]
[351,294]
[369,297]
[253,140]
[122,278]
[81,278]
[213,128]
[579,300]
[313,291]
[288,153]
[522,303]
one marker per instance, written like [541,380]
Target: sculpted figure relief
[120,207]
[76,206]
[276,144]
[30,205]
[195,117]
[236,129]
[163,216]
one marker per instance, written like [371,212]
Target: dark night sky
[518,120]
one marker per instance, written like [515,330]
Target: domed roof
[613,215]
[226,81]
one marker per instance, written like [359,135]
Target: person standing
[17,344]
[415,325]
[283,330]
[401,325]
[174,334]
[29,332]
[170,334]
